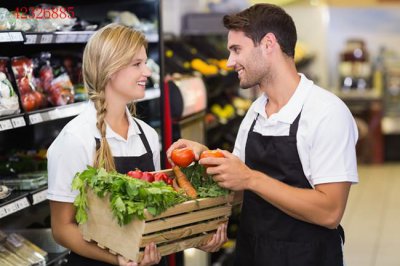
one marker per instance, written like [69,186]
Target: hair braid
[103,157]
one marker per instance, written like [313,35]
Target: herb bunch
[202,182]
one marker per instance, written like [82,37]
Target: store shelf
[54,113]
[53,258]
[33,38]
[19,200]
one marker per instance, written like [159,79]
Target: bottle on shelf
[354,67]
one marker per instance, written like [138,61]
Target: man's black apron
[268,236]
[123,164]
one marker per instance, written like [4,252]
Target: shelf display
[40,67]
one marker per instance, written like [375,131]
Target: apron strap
[144,139]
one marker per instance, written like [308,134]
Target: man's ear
[269,40]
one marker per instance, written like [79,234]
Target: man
[294,155]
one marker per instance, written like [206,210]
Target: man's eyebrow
[233,46]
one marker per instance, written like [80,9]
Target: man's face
[248,60]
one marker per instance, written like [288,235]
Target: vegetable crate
[186,225]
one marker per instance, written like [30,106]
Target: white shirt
[75,146]
[326,136]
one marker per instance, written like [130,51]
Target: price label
[54,114]
[4,37]
[18,122]
[82,38]
[35,118]
[16,36]
[46,38]
[71,38]
[5,125]
[14,207]
[30,38]
[61,38]
[39,197]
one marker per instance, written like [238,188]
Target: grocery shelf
[49,114]
[55,257]
[19,200]
[33,38]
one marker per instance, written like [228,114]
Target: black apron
[123,164]
[269,237]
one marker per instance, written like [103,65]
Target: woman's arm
[66,233]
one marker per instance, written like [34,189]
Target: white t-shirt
[75,146]
[326,136]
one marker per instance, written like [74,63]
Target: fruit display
[31,99]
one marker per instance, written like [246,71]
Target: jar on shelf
[355,67]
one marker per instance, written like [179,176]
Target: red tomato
[29,102]
[135,174]
[147,176]
[212,154]
[163,177]
[182,157]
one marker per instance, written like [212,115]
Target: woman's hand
[151,256]
[184,143]
[218,239]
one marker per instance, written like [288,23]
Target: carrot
[184,183]
[176,186]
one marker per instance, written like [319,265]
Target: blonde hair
[110,49]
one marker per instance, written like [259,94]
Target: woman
[105,135]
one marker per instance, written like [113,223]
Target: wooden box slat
[179,220]
[180,245]
[182,232]
[191,205]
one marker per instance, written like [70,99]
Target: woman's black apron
[123,164]
[268,236]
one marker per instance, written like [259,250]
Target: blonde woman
[105,134]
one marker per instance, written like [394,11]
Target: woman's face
[129,83]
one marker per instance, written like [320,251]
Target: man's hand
[230,172]
[184,143]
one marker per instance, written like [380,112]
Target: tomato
[135,174]
[163,177]
[211,154]
[29,102]
[182,157]
[147,176]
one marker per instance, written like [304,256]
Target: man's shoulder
[321,101]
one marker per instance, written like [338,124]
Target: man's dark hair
[258,20]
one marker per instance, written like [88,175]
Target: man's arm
[323,205]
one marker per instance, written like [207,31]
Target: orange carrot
[184,183]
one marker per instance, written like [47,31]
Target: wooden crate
[183,226]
